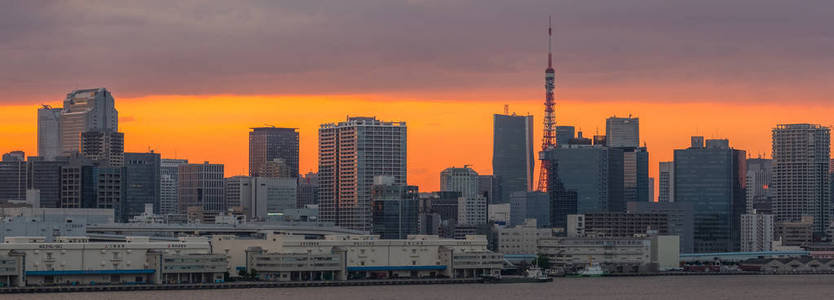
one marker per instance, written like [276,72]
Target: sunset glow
[440,133]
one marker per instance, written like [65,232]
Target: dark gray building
[13,177]
[564,134]
[269,143]
[394,209]
[759,182]
[584,168]
[308,190]
[563,202]
[142,183]
[530,205]
[439,213]
[711,178]
[513,158]
[681,219]
[45,176]
[487,187]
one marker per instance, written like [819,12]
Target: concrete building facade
[351,154]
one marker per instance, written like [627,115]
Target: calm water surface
[676,288]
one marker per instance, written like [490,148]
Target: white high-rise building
[168,185]
[351,154]
[49,132]
[86,110]
[801,157]
[756,232]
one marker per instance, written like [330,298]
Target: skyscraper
[49,132]
[513,158]
[564,134]
[351,154]
[486,187]
[585,170]
[45,176]
[463,180]
[759,193]
[712,179]
[142,183]
[269,143]
[104,146]
[168,178]
[86,110]
[308,190]
[395,208]
[13,177]
[622,132]
[801,154]
[200,188]
[666,186]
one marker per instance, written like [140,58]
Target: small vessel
[533,274]
[592,269]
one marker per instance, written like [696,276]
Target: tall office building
[45,176]
[104,146]
[651,189]
[759,193]
[49,132]
[622,132]
[308,190]
[86,110]
[666,180]
[13,177]
[801,157]
[530,205]
[351,154]
[168,178]
[564,134]
[269,143]
[585,170]
[513,159]
[395,208]
[487,187]
[142,183]
[200,189]
[464,180]
[712,179]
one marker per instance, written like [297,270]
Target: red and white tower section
[549,137]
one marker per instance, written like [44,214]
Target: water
[672,287]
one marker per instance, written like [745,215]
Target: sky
[190,77]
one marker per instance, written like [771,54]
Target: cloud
[763,50]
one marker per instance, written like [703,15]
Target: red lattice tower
[549,137]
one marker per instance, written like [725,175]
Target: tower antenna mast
[549,137]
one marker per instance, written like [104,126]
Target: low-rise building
[76,260]
[615,255]
[522,239]
[617,224]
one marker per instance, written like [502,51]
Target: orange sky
[440,133]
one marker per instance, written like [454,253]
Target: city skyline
[147,126]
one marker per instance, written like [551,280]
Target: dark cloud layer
[764,50]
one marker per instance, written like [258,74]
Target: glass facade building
[266,144]
[142,183]
[168,173]
[86,110]
[395,210]
[513,159]
[711,178]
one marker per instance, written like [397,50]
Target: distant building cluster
[596,196]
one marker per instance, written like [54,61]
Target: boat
[533,274]
[592,269]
